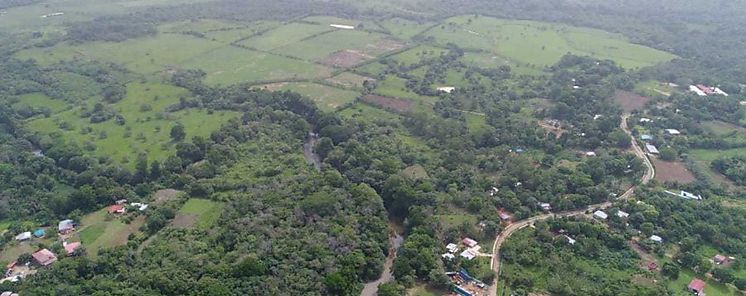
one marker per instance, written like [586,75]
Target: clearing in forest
[672,171]
[388,103]
[326,97]
[630,101]
[98,231]
[199,213]
[349,80]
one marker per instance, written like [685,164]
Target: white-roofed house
[622,214]
[468,254]
[600,215]
[24,236]
[448,256]
[673,132]
[452,248]
[656,238]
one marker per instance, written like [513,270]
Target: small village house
[722,259]
[673,132]
[656,238]
[469,242]
[622,214]
[66,226]
[116,209]
[40,232]
[600,215]
[24,236]
[44,257]
[570,240]
[468,254]
[452,248]
[71,248]
[646,137]
[652,266]
[8,293]
[651,149]
[545,206]
[446,89]
[697,287]
[448,256]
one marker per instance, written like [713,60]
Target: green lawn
[99,232]
[394,86]
[454,221]
[230,36]
[542,44]
[91,233]
[326,97]
[708,155]
[207,211]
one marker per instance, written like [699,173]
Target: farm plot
[146,128]
[404,29]
[491,60]
[542,44]
[349,80]
[325,44]
[417,54]
[284,35]
[230,65]
[198,213]
[630,101]
[389,103]
[672,171]
[99,232]
[394,86]
[326,97]
[143,55]
[200,26]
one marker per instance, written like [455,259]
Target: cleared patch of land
[345,59]
[198,213]
[165,195]
[99,232]
[388,103]
[284,35]
[416,172]
[672,171]
[349,80]
[326,97]
[630,101]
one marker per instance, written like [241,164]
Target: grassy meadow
[204,212]
[146,129]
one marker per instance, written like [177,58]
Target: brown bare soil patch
[672,171]
[345,59]
[389,103]
[383,46]
[416,172]
[552,127]
[184,220]
[630,101]
[164,195]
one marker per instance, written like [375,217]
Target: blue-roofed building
[40,232]
[646,137]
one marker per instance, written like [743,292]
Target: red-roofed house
[116,209]
[70,248]
[44,257]
[469,242]
[697,286]
[706,89]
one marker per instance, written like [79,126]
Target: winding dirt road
[508,231]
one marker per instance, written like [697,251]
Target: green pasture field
[418,53]
[284,35]
[144,55]
[230,65]
[542,44]
[358,24]
[372,69]
[326,97]
[40,100]
[394,86]
[207,211]
[708,155]
[201,26]
[233,35]
[404,29]
[320,46]
[491,60]
[149,131]
[368,113]
[98,232]
[348,80]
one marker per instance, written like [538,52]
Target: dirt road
[508,231]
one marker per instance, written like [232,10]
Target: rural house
[70,248]
[656,238]
[452,248]
[651,149]
[44,257]
[697,287]
[66,226]
[646,137]
[39,232]
[23,236]
[545,206]
[116,209]
[469,242]
[673,132]
[8,293]
[622,214]
[600,215]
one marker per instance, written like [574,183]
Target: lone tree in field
[178,133]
